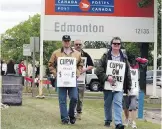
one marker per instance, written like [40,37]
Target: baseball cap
[66,37]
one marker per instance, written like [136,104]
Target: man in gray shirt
[110,96]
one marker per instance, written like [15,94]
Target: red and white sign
[98,20]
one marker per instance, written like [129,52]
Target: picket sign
[81,79]
[135,83]
[115,69]
[66,72]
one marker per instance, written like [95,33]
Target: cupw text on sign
[67,61]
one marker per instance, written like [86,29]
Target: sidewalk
[153,115]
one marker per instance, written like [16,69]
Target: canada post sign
[98,20]
[92,6]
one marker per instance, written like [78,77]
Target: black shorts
[130,102]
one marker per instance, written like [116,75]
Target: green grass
[93,94]
[44,114]
[52,91]
[147,105]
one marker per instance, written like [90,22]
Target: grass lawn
[152,106]
[52,91]
[44,114]
[93,94]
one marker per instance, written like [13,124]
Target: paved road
[153,115]
[149,90]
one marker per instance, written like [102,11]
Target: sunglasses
[66,41]
[78,44]
[116,43]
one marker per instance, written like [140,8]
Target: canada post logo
[80,6]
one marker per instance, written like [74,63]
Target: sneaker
[72,120]
[65,122]
[119,126]
[126,122]
[134,125]
[78,116]
[107,124]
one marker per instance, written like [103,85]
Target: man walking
[110,96]
[66,51]
[81,87]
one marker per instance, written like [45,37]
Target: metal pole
[155,47]
[33,84]
[26,69]
[41,46]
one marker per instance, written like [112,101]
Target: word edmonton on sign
[81,79]
[66,72]
[115,69]
[135,83]
[58,27]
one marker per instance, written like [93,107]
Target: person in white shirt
[4,67]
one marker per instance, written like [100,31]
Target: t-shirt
[89,59]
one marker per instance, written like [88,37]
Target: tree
[144,3]
[95,44]
[134,48]
[14,38]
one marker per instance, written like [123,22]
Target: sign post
[26,50]
[155,48]
[41,49]
[34,42]
[27,53]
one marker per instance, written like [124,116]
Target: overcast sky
[12,12]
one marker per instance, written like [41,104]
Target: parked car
[160,68]
[149,76]
[92,82]
[159,82]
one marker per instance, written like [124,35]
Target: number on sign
[142,31]
[60,74]
[72,75]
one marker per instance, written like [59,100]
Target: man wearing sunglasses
[110,96]
[66,51]
[81,87]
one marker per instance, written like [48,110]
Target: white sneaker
[134,125]
[126,123]
[78,116]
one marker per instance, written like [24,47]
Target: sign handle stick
[41,49]
[33,84]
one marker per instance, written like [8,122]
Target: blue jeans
[62,96]
[116,98]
